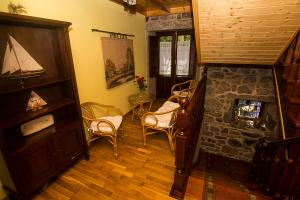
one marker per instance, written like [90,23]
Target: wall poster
[118,60]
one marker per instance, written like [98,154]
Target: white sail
[27,63]
[10,63]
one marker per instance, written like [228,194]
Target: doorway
[172,59]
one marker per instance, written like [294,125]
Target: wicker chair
[162,120]
[102,121]
[185,89]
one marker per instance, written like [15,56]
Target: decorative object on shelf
[37,125]
[16,9]
[140,80]
[18,63]
[35,102]
[129,6]
[119,60]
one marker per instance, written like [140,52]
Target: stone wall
[170,22]
[223,135]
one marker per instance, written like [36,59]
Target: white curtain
[183,58]
[165,58]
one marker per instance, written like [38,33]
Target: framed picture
[118,61]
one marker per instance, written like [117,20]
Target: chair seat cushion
[104,127]
[165,119]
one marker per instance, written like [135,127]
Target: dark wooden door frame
[165,82]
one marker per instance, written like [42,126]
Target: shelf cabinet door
[69,146]
[36,164]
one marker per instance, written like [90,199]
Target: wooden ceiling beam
[156,7]
[159,5]
[175,10]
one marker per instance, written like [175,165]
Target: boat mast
[17,59]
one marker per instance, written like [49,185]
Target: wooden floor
[138,173]
[222,181]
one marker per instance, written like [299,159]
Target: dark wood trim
[9,19]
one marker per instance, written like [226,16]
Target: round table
[140,103]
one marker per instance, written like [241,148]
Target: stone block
[227,118]
[235,142]
[251,135]
[219,119]
[229,150]
[221,142]
[249,79]
[216,75]
[212,105]
[207,144]
[245,71]
[244,89]
[222,88]
[260,91]
[224,130]
[219,137]
[207,133]
[211,140]
[214,129]
[234,132]
[208,118]
[266,79]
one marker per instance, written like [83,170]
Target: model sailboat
[18,63]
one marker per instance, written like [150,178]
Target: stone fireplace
[240,108]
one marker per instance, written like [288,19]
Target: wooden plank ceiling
[244,31]
[160,7]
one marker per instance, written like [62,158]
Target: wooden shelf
[56,146]
[29,115]
[33,86]
[23,143]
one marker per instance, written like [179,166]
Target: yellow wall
[86,45]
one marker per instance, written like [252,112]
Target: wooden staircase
[276,165]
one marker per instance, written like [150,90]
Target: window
[248,109]
[175,54]
[183,55]
[165,55]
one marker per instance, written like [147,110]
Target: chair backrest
[95,110]
[187,87]
[87,113]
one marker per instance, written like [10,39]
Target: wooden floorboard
[138,173]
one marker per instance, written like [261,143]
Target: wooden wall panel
[245,31]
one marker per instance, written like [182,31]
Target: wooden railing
[276,165]
[189,121]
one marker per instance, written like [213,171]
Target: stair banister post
[181,147]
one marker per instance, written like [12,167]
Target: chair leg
[89,137]
[144,135]
[115,147]
[132,114]
[169,134]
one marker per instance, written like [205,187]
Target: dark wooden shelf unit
[27,163]
[33,86]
